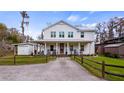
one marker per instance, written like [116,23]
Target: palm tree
[24,16]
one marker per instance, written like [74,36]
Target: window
[51,47]
[82,34]
[61,34]
[53,34]
[70,34]
[82,47]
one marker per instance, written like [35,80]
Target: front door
[61,48]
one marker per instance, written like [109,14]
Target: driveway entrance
[61,69]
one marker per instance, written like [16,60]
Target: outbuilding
[26,49]
[117,49]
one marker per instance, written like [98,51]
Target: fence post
[14,59]
[56,55]
[46,58]
[74,56]
[14,53]
[103,69]
[82,59]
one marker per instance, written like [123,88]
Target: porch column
[68,49]
[33,49]
[40,49]
[56,48]
[90,44]
[45,49]
[37,48]
[79,48]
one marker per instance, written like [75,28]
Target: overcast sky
[38,20]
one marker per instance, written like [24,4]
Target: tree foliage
[11,35]
[40,36]
[3,31]
[110,29]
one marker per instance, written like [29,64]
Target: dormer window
[53,34]
[82,34]
[70,34]
[61,34]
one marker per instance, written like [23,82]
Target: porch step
[62,55]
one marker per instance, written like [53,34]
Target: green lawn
[22,60]
[107,60]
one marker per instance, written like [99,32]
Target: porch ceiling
[60,40]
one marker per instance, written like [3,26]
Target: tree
[101,32]
[25,18]
[40,36]
[15,36]
[28,38]
[3,31]
[111,26]
[110,29]
[119,25]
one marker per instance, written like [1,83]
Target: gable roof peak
[60,22]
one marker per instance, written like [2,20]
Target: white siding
[58,28]
[89,38]
[25,49]
[65,28]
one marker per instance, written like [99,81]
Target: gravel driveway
[60,69]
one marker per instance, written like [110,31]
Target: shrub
[107,54]
[115,55]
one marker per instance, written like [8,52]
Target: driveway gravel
[61,69]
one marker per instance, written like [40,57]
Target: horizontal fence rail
[25,59]
[110,73]
[93,66]
[103,65]
[110,65]
[93,61]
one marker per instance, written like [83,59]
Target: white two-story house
[65,39]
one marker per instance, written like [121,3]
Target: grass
[22,60]
[107,60]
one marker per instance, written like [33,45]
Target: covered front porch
[66,48]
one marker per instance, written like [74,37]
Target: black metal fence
[103,66]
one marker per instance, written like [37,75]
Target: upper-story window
[70,34]
[53,34]
[82,34]
[61,34]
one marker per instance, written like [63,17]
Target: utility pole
[24,21]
